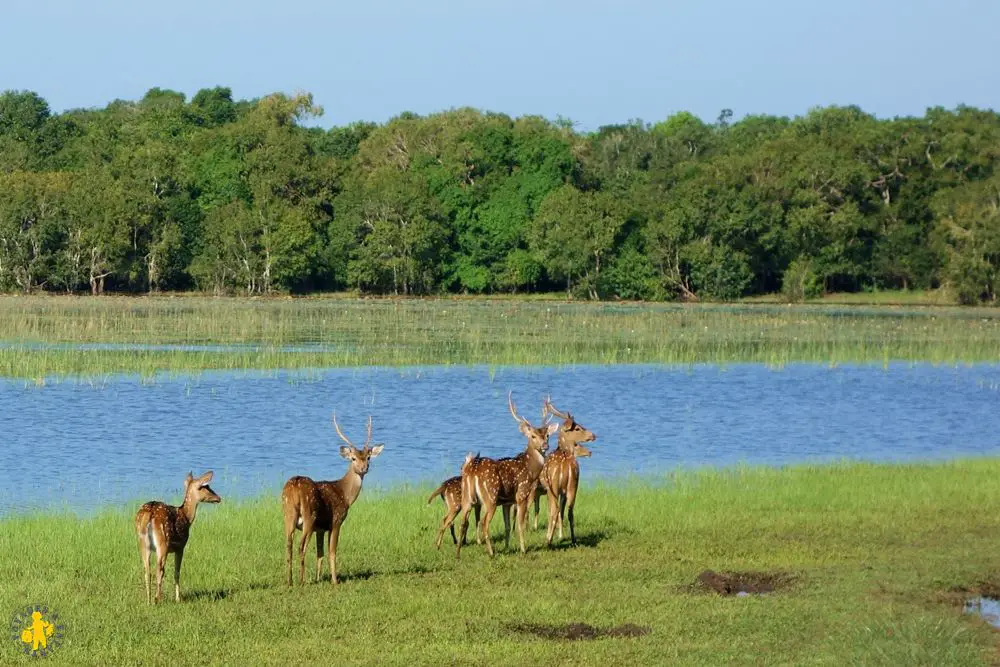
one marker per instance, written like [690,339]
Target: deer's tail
[438,492]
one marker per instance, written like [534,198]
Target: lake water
[79,445]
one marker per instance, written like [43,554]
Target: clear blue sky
[593,62]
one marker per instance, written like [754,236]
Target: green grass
[391,332]
[875,552]
[934,297]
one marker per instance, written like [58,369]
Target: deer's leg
[562,511]
[506,525]
[572,531]
[307,531]
[144,554]
[536,497]
[161,564]
[291,518]
[522,519]
[446,523]
[571,503]
[491,508]
[319,555]
[178,557]
[553,516]
[479,536]
[463,530]
[334,538]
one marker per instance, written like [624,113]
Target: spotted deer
[451,493]
[164,529]
[494,482]
[321,507]
[561,473]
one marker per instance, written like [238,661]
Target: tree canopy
[242,196]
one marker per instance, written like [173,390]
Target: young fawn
[164,529]
[451,493]
[504,482]
[561,473]
[321,507]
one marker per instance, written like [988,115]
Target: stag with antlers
[561,473]
[321,507]
[493,482]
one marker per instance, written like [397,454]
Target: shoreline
[617,483]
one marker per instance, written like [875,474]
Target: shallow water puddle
[987,608]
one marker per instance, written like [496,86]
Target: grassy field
[41,336]
[875,559]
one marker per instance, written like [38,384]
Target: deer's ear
[188,480]
[553,427]
[345,452]
[375,451]
[525,428]
[206,478]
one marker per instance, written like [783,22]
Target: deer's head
[538,436]
[197,490]
[358,458]
[571,433]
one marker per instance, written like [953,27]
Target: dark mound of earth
[577,631]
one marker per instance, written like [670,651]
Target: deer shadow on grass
[588,540]
[346,577]
[218,594]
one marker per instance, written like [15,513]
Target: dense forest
[230,196]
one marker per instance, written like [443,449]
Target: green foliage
[214,106]
[22,114]
[239,196]
[573,233]
[800,281]
[632,276]
[969,230]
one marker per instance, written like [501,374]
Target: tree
[32,216]
[572,234]
[400,235]
[968,227]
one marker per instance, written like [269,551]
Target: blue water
[78,445]
[987,608]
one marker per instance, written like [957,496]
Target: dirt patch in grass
[958,595]
[578,631]
[742,583]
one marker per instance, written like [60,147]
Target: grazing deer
[504,482]
[451,493]
[321,507]
[164,529]
[561,473]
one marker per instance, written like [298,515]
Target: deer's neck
[350,486]
[564,443]
[189,509]
[535,461]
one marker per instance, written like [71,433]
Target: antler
[368,440]
[341,433]
[513,410]
[552,409]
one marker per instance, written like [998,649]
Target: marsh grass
[871,551]
[39,335]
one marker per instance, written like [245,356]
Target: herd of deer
[321,507]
